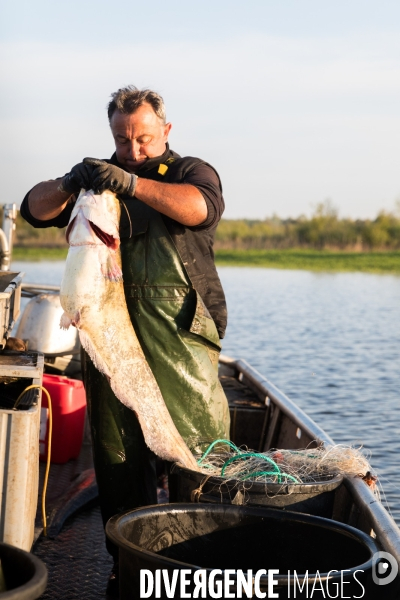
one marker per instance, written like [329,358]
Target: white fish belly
[98,307]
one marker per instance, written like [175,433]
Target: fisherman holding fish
[170,208]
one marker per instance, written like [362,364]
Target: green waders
[181,344]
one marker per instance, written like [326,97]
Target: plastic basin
[206,536]
[25,574]
[315,498]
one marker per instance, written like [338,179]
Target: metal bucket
[40,329]
[25,575]
[314,498]
[208,537]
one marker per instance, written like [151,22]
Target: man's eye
[144,140]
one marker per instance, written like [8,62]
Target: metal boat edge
[355,504]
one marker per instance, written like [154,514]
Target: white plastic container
[19,455]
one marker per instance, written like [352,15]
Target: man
[170,207]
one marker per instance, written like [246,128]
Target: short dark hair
[128,99]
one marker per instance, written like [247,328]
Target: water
[331,342]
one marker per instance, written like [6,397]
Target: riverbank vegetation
[312,260]
[324,230]
[322,242]
[40,253]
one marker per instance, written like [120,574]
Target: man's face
[138,136]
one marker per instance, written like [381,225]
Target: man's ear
[167,129]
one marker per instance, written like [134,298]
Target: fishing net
[225,460]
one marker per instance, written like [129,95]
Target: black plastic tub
[316,498]
[207,537]
[25,574]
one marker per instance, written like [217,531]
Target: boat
[262,417]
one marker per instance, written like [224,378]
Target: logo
[384,568]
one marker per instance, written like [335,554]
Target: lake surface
[331,342]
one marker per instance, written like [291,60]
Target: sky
[292,101]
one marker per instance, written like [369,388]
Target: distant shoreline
[304,259]
[37,253]
[312,260]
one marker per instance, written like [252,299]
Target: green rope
[250,455]
[211,446]
[244,455]
[270,473]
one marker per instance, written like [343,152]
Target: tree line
[323,230]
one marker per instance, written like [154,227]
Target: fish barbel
[92,296]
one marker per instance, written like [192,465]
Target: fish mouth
[106,238]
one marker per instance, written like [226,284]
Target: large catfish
[92,296]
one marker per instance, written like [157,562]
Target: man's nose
[134,149]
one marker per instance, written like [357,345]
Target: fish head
[95,220]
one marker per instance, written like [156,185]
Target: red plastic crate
[68,401]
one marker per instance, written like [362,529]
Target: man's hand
[110,177]
[79,177]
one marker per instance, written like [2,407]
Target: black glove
[110,177]
[79,177]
